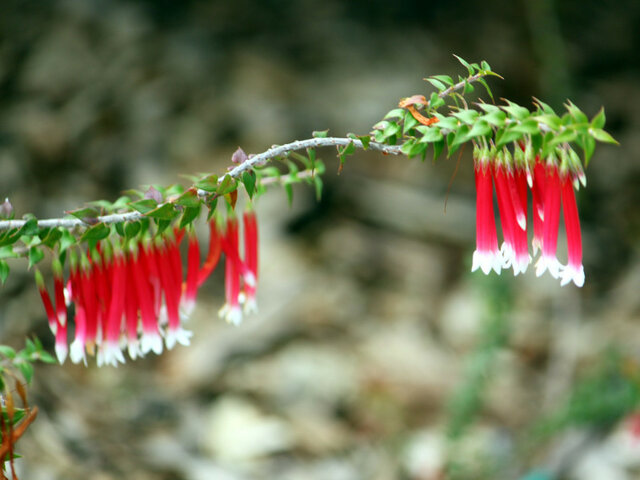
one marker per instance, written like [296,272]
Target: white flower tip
[181,336]
[151,342]
[250,306]
[133,348]
[522,220]
[61,352]
[234,316]
[77,352]
[573,274]
[110,354]
[483,261]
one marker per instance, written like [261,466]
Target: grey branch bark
[255,160]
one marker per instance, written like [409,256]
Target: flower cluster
[552,183]
[133,295]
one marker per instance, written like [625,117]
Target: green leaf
[166,211]
[395,113]
[446,79]
[6,251]
[406,146]
[435,101]
[320,133]
[249,181]
[7,352]
[52,237]
[227,185]
[576,113]
[289,189]
[119,228]
[485,66]
[460,137]
[466,116]
[465,63]
[437,149]
[131,229]
[98,232]
[599,120]
[516,111]
[365,139]
[66,240]
[482,82]
[189,215]
[496,118]
[436,83]
[504,137]
[189,198]
[35,256]
[409,123]
[548,119]
[588,147]
[29,228]
[161,225]
[208,183]
[602,136]
[566,135]
[4,272]
[488,108]
[529,126]
[26,369]
[479,129]
[468,88]
[144,206]
[446,123]
[429,134]
[85,213]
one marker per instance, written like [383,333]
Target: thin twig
[253,161]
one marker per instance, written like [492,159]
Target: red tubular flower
[507,217]
[110,352]
[170,269]
[188,301]
[231,311]
[77,347]
[62,348]
[548,259]
[131,308]
[519,199]
[538,195]
[251,257]
[145,291]
[487,255]
[213,255]
[46,301]
[574,271]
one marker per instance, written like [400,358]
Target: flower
[551,183]
[487,255]
[133,295]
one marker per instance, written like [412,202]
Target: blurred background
[376,353]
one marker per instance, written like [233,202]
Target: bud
[6,209]
[238,156]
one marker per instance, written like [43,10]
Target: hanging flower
[487,255]
[134,296]
[551,188]
[574,271]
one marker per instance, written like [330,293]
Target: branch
[253,161]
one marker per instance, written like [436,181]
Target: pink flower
[487,255]
[548,260]
[231,311]
[574,271]
[251,257]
